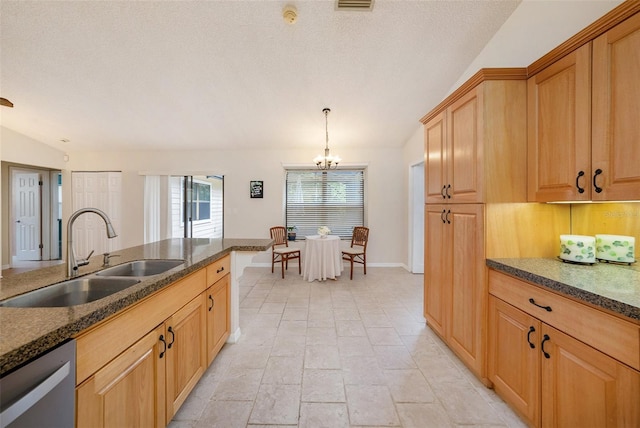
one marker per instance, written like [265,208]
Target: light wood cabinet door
[468,284]
[559,129]
[128,391]
[616,110]
[464,148]
[186,352]
[437,262]
[583,387]
[218,316]
[514,358]
[435,150]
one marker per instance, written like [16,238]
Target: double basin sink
[92,287]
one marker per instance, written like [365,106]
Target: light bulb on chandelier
[327,161]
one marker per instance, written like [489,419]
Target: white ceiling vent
[354,5]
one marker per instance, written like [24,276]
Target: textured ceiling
[131,75]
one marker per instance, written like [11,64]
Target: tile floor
[338,354]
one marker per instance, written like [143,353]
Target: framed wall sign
[256,189]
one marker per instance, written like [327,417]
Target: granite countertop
[28,332]
[613,287]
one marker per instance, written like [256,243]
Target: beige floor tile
[354,347]
[293,313]
[250,356]
[321,357]
[323,415]
[383,336]
[465,406]
[409,386]
[423,415]
[292,328]
[283,370]
[350,328]
[394,357]
[256,336]
[181,424]
[375,320]
[321,336]
[226,414]
[276,404]
[371,405]
[438,369]
[239,384]
[291,346]
[298,302]
[362,371]
[346,314]
[323,386]
[272,308]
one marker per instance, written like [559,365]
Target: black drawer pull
[210,298]
[220,270]
[544,339]
[580,189]
[447,192]
[595,186]
[165,346]
[173,337]
[442,216]
[447,217]
[546,308]
[531,330]
[442,192]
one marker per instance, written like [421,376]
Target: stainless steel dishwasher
[41,393]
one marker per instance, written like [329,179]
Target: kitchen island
[26,333]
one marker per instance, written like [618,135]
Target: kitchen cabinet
[455,286]
[128,391]
[186,358]
[218,304]
[137,367]
[582,127]
[552,359]
[475,142]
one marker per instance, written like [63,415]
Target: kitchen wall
[251,218]
[20,149]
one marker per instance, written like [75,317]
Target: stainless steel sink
[70,293]
[141,268]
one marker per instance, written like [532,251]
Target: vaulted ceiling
[162,75]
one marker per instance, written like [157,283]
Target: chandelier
[327,161]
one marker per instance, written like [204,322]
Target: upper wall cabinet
[583,127]
[475,141]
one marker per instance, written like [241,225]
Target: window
[325,198]
[201,201]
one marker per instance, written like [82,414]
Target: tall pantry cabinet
[475,154]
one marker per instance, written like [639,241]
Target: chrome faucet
[72,262]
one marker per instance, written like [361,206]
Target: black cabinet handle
[595,186]
[442,216]
[164,342]
[442,192]
[580,189]
[173,337]
[447,192]
[220,270]
[544,339]
[531,330]
[447,217]
[546,308]
[210,298]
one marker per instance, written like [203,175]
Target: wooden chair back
[279,235]
[360,237]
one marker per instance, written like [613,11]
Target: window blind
[317,198]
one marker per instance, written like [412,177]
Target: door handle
[595,186]
[531,330]
[544,339]
[580,189]
[173,337]
[164,342]
[212,302]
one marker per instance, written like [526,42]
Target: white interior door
[27,215]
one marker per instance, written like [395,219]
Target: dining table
[323,258]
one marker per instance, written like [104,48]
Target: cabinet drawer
[607,333]
[218,269]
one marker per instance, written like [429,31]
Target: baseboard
[235,336]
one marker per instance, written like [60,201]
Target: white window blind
[325,198]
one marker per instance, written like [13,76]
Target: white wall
[20,149]
[251,218]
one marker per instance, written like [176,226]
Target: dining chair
[357,252]
[281,251]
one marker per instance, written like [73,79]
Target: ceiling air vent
[354,4]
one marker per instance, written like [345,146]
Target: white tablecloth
[322,258]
